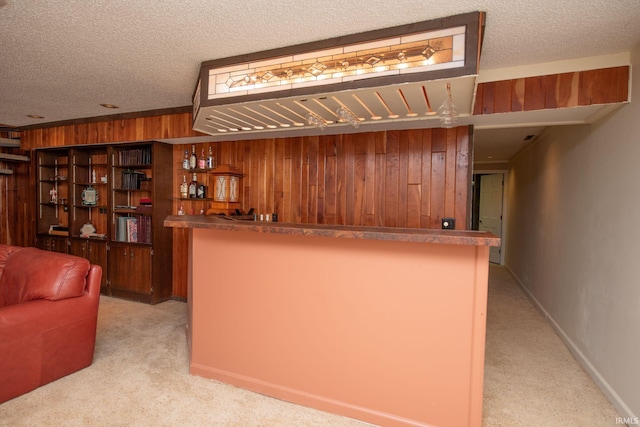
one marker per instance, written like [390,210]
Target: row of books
[138,156]
[134,229]
[131,179]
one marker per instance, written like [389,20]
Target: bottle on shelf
[181,210]
[185,160]
[202,162]
[193,160]
[184,188]
[193,187]
[211,160]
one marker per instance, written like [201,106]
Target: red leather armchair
[48,317]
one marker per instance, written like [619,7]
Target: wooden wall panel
[17,201]
[592,87]
[408,178]
[109,131]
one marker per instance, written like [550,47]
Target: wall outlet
[448,223]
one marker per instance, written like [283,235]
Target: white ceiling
[61,59]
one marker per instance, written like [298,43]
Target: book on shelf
[134,156]
[134,229]
[131,179]
[58,230]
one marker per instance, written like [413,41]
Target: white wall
[573,241]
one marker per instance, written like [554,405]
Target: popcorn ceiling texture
[61,59]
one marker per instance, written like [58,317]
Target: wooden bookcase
[130,187]
[140,248]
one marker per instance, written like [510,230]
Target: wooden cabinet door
[140,269]
[78,248]
[97,254]
[53,244]
[130,268]
[118,266]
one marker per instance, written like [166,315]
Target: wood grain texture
[110,131]
[591,87]
[390,178]
[17,201]
[409,178]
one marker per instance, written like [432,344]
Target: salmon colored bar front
[387,332]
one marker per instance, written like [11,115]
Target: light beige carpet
[140,377]
[531,378]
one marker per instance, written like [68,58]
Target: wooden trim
[110,117]
[135,128]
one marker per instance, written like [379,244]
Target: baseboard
[299,397]
[609,392]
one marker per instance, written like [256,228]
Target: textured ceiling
[61,60]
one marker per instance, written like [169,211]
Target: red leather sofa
[48,317]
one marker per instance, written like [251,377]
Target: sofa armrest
[42,340]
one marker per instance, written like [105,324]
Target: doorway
[487,208]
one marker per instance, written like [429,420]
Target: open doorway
[487,208]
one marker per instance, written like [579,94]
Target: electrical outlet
[448,223]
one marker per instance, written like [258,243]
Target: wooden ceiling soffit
[392,76]
[555,91]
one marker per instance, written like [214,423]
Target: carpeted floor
[140,377]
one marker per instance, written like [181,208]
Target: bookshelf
[107,203]
[140,246]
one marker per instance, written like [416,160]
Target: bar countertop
[418,235]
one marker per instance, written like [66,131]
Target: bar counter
[453,237]
[383,325]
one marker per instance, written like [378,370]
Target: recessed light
[529,137]
[489,157]
[35,116]
[109,106]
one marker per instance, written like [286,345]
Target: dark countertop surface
[451,237]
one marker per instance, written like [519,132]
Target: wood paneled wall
[409,178]
[602,86]
[109,131]
[17,201]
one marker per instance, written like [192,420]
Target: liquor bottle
[193,187]
[193,160]
[184,188]
[211,161]
[202,162]
[181,210]
[185,161]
